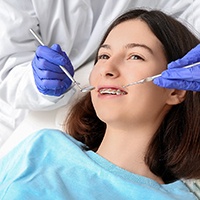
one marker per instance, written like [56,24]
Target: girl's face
[131,52]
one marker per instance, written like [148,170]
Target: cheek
[147,97]
[98,106]
[93,76]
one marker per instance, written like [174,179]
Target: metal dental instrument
[151,78]
[85,89]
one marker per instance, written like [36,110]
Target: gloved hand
[182,78]
[49,78]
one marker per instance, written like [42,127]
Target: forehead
[133,31]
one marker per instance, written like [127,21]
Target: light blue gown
[51,165]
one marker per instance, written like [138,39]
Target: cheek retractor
[85,89]
[151,78]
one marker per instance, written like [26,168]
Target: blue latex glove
[49,78]
[182,78]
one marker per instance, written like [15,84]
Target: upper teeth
[112,91]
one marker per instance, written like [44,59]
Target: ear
[176,97]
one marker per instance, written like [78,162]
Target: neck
[127,150]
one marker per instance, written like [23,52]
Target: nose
[110,69]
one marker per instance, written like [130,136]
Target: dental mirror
[85,89]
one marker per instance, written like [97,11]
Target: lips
[112,91]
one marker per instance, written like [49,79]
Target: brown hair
[174,151]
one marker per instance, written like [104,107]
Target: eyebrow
[105,46]
[129,46]
[132,45]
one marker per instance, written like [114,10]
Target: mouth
[112,91]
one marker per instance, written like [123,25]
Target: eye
[103,57]
[136,57]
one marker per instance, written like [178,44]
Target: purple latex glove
[181,78]
[49,78]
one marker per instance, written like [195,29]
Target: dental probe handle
[151,78]
[148,79]
[158,75]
